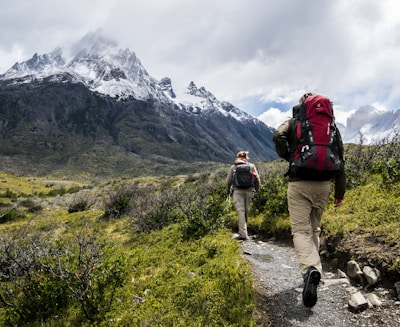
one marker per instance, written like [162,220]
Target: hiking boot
[311,281]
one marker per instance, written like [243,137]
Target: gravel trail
[279,287]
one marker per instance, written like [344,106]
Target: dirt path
[279,286]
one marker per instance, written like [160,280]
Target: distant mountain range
[100,111]
[370,125]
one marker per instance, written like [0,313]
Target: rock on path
[279,287]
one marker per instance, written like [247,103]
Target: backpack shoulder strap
[302,113]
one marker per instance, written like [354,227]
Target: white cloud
[341,115]
[274,117]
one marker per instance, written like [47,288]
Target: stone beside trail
[279,288]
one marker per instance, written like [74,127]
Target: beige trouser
[307,201]
[241,202]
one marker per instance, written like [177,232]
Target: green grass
[181,283]
[168,281]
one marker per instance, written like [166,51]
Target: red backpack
[317,139]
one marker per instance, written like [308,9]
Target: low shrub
[10,214]
[202,206]
[119,201]
[358,164]
[153,207]
[197,204]
[387,160]
[9,194]
[31,205]
[49,277]
[81,202]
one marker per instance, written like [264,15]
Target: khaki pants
[307,201]
[241,202]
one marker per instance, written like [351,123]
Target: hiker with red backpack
[242,181]
[312,144]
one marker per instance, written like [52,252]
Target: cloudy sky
[260,55]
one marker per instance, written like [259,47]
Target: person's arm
[256,176]
[229,180]
[340,180]
[281,139]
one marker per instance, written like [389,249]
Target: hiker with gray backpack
[311,143]
[241,183]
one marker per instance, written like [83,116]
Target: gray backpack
[242,177]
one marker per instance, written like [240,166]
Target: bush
[202,207]
[59,191]
[62,190]
[197,204]
[273,197]
[49,277]
[119,202]
[22,273]
[31,205]
[85,265]
[153,207]
[9,194]
[12,214]
[81,202]
[387,160]
[271,201]
[358,164]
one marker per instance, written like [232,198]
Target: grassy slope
[189,283]
[368,226]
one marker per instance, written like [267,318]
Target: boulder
[357,302]
[372,275]
[353,270]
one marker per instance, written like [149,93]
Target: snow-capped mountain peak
[93,43]
[200,92]
[199,100]
[40,65]
[97,62]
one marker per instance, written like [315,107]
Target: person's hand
[337,202]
